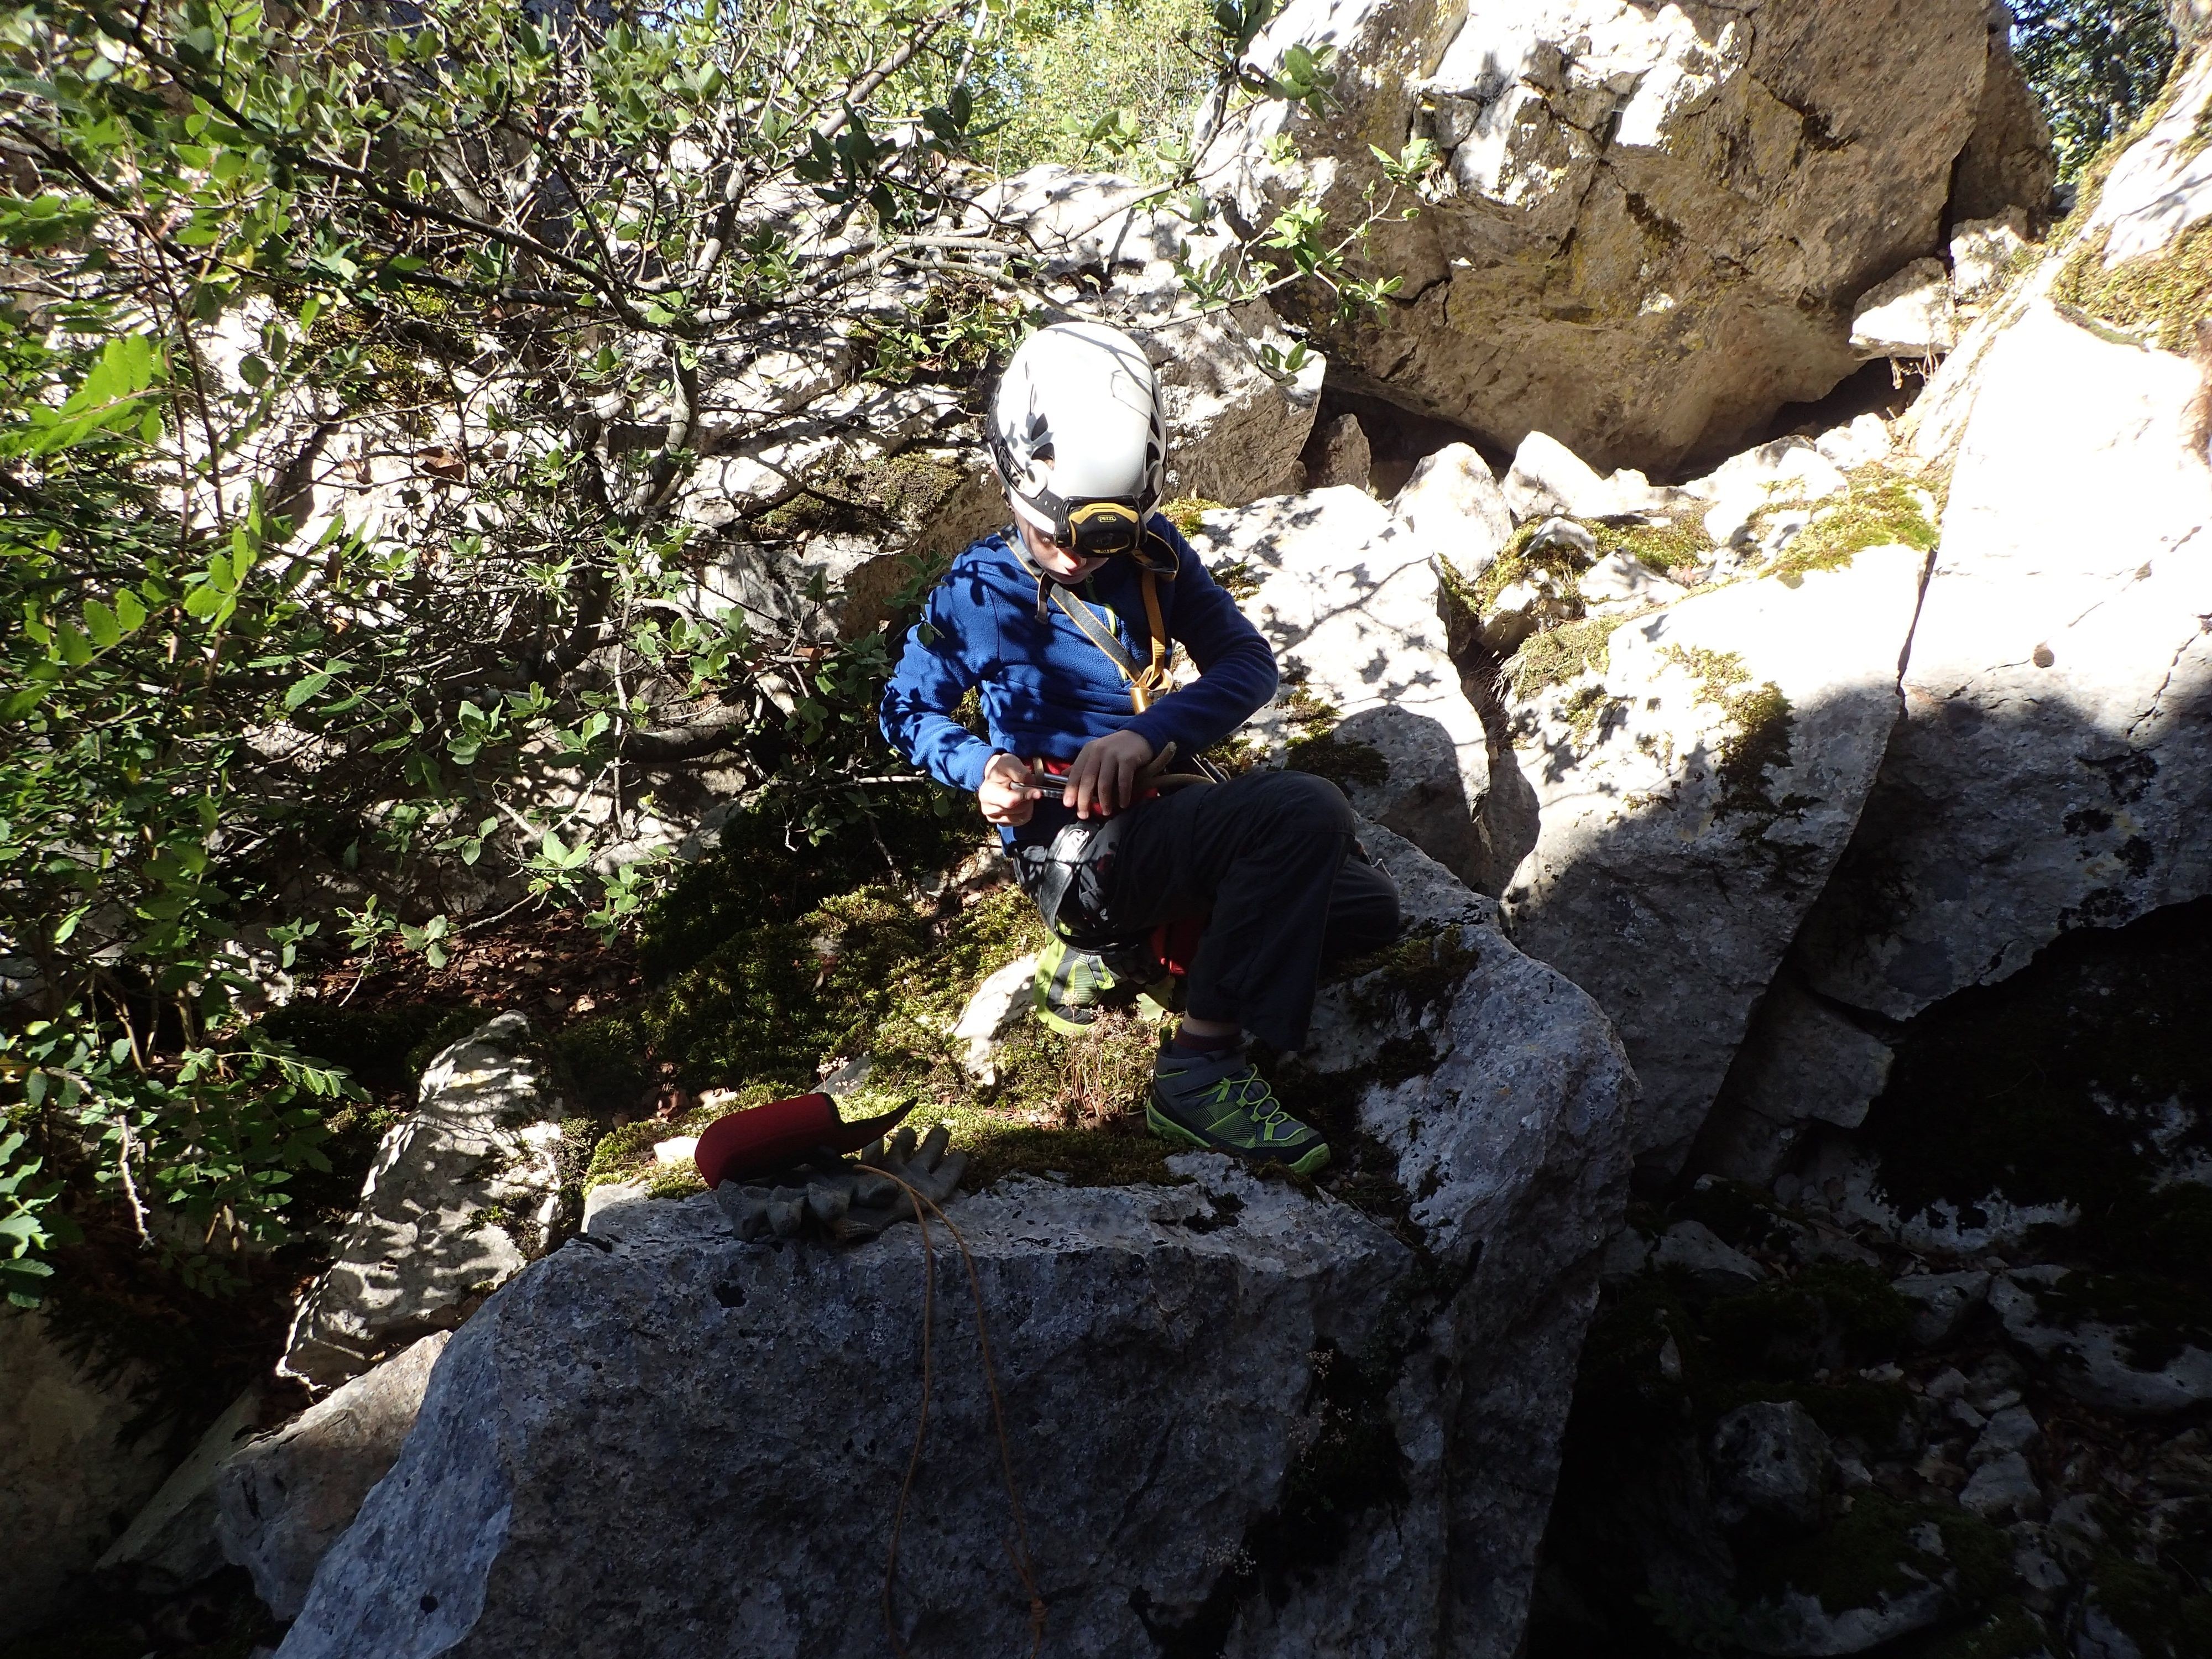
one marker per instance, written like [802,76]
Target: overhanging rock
[1653,221]
[1246,1420]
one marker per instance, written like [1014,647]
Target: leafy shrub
[479,261]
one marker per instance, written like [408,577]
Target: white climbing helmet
[1080,437]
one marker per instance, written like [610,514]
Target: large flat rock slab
[2054,761]
[615,1433]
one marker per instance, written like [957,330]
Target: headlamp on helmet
[1078,437]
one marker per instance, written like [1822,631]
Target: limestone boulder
[1984,251]
[463,1193]
[1942,1301]
[1451,508]
[281,1501]
[1352,601]
[1911,314]
[1692,798]
[1548,479]
[2051,766]
[1242,1416]
[2114,1362]
[1693,1252]
[1652,222]
[1783,472]
[1770,1462]
[998,1005]
[72,1473]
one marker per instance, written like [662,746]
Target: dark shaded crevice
[1872,389]
[1398,437]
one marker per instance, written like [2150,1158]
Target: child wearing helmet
[1064,624]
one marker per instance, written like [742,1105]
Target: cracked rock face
[1245,1418]
[2052,763]
[1653,220]
[1691,800]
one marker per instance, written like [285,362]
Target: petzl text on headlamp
[1102,529]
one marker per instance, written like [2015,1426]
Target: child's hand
[1104,775]
[1006,795]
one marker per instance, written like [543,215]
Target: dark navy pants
[1271,858]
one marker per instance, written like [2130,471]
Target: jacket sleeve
[939,664]
[1237,672]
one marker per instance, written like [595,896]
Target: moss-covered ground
[1559,654]
[1677,549]
[2159,298]
[1878,508]
[1666,1360]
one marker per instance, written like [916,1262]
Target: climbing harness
[1148,683]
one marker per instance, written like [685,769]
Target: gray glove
[848,1200]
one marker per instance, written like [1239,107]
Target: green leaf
[102,624]
[302,690]
[130,614]
[74,649]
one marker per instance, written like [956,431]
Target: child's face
[1061,563]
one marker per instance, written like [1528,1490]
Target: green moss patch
[2168,1616]
[1760,722]
[1865,1555]
[1677,549]
[1345,762]
[1522,559]
[1878,509]
[1316,748]
[1559,654]
[1590,711]
[1830,1315]
[1185,513]
[2157,297]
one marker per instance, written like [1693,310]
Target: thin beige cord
[1018,1549]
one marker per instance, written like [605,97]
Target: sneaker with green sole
[1072,984]
[1070,987]
[1220,1104]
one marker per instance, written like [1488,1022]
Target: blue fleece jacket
[1046,691]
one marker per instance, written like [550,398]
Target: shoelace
[1243,1084]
